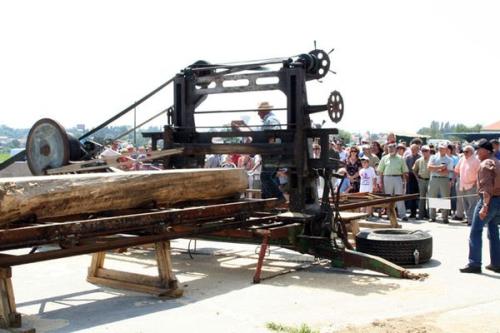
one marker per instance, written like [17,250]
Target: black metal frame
[193,85]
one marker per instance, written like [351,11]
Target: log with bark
[46,197]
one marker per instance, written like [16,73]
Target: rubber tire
[396,245]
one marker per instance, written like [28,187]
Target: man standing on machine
[268,176]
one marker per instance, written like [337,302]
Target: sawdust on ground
[399,325]
[482,317]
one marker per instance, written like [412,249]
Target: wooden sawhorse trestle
[165,285]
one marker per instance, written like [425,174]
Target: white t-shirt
[366,179]
[109,154]
[257,160]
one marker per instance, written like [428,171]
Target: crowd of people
[127,157]
[251,163]
[447,170]
[467,176]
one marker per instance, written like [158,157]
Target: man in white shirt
[440,165]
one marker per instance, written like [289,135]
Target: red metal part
[262,254]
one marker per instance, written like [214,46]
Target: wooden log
[64,195]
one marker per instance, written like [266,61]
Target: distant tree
[476,128]
[437,130]
[15,144]
[345,136]
[14,133]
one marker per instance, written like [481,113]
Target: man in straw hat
[269,119]
[268,176]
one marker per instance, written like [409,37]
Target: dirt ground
[407,325]
[443,322]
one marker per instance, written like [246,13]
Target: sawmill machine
[314,225]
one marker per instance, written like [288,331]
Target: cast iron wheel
[47,146]
[402,247]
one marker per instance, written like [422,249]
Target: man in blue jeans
[487,211]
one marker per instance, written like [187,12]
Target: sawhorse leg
[393,215]
[165,285]
[10,320]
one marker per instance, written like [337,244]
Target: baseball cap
[442,145]
[425,148]
[364,158]
[485,144]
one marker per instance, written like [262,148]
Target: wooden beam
[52,232]
[116,243]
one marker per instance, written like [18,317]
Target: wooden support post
[8,315]
[391,211]
[165,273]
[96,263]
[355,228]
[165,285]
[10,320]
[351,221]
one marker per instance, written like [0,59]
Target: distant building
[4,140]
[495,127]
[491,131]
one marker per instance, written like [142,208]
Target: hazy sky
[400,64]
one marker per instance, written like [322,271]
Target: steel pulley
[335,106]
[316,63]
[200,68]
[321,64]
[49,146]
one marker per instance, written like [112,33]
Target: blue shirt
[497,155]
[270,122]
[455,160]
[345,184]
[438,160]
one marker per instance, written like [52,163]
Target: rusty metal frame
[86,236]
